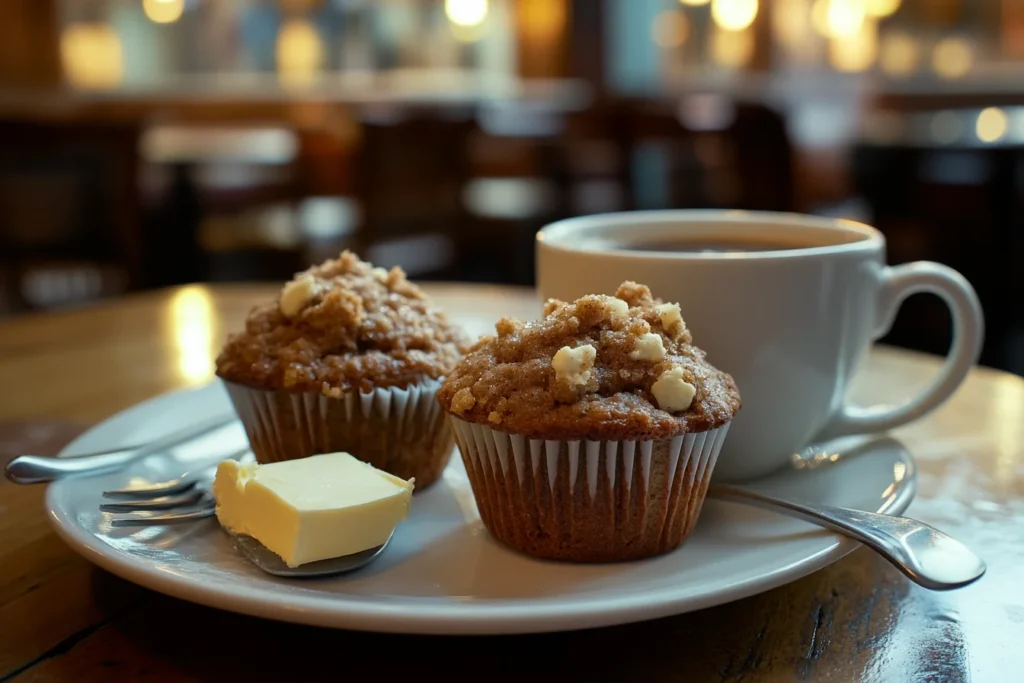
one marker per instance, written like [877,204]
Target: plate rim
[520,617]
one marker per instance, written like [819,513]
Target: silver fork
[190,494]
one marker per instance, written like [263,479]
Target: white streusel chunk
[649,347]
[297,294]
[672,392]
[574,365]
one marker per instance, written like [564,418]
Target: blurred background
[146,143]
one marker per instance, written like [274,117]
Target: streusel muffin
[348,358]
[590,435]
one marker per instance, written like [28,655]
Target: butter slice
[311,509]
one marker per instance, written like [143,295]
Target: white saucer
[443,573]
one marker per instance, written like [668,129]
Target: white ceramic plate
[442,572]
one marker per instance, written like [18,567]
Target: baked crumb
[590,370]
[340,326]
[462,401]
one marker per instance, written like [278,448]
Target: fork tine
[161,503]
[172,487]
[171,518]
[155,490]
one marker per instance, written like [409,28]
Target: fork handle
[35,469]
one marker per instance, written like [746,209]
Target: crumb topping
[340,326]
[590,369]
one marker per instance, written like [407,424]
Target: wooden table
[62,619]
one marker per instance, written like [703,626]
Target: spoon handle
[927,556]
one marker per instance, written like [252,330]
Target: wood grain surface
[857,620]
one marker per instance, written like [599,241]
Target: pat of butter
[311,509]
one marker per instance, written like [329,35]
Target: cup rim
[553,235]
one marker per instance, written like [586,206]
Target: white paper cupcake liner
[588,500]
[400,431]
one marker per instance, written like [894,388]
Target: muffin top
[343,325]
[600,368]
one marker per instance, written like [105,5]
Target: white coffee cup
[790,324]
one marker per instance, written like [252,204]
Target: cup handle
[968,331]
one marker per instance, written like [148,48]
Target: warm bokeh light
[952,58]
[791,23]
[466,12]
[163,11]
[819,17]
[844,18]
[733,49]
[91,56]
[191,319]
[542,19]
[900,54]
[838,18]
[299,51]
[670,29]
[694,3]
[855,53]
[992,124]
[734,15]
[882,8]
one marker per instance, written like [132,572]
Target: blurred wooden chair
[959,206]
[69,203]
[707,151]
[221,204]
[409,174]
[513,189]
[594,173]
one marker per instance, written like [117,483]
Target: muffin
[590,435]
[347,358]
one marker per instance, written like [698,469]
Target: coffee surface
[719,245]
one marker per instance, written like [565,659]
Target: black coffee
[721,245]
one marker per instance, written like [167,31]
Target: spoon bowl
[926,555]
[271,563]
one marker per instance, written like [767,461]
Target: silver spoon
[927,556]
[34,469]
[271,563]
[254,551]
